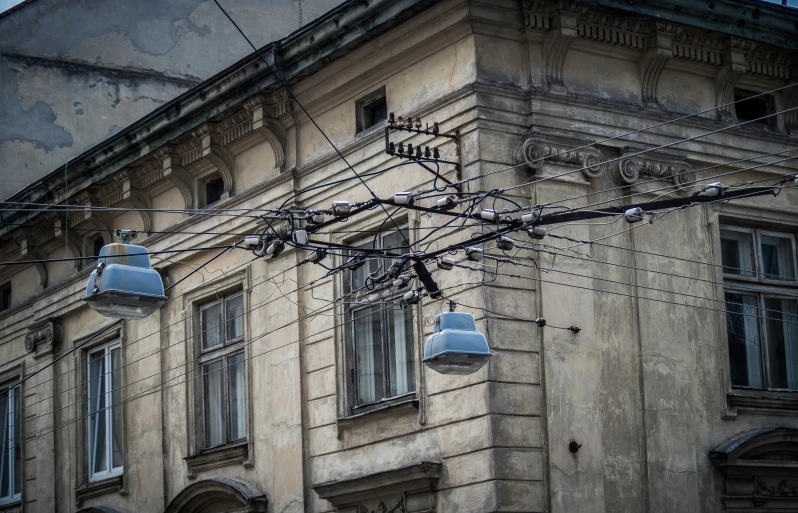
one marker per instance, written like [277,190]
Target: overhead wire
[633,132]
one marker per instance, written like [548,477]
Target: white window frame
[108,412]
[761,288]
[8,458]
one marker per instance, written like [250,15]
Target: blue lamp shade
[124,285]
[455,346]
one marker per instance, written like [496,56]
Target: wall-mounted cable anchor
[541,322]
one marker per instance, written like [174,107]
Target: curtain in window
[97,415]
[235,317]
[214,410]
[737,252]
[400,348]
[782,330]
[742,325]
[212,326]
[9,458]
[777,257]
[368,355]
[238,398]
[116,407]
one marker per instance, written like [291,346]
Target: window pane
[212,326]
[214,413]
[238,397]
[116,407]
[14,441]
[97,416]
[400,350]
[235,317]
[782,331]
[777,259]
[358,276]
[742,326]
[5,431]
[737,253]
[368,355]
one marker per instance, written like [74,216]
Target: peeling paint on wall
[36,124]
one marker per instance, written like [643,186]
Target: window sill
[217,457]
[398,407]
[98,488]
[11,505]
[764,401]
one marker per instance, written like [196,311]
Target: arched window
[760,469]
[219,495]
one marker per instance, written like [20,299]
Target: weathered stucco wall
[75,72]
[642,386]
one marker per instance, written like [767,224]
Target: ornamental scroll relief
[42,336]
[625,170]
[535,153]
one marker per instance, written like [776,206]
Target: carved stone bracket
[734,65]
[629,169]
[564,29]
[171,168]
[660,50]
[268,115]
[42,337]
[212,148]
[790,102]
[535,153]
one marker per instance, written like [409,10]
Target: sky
[8,4]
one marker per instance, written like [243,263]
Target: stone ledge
[415,483]
[98,488]
[217,457]
[785,403]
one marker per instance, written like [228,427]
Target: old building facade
[255,388]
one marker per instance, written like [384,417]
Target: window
[223,371]
[104,374]
[759,269]
[10,459]
[748,108]
[371,110]
[381,338]
[97,243]
[5,296]
[213,190]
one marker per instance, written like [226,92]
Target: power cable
[293,97]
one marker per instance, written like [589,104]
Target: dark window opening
[214,189]
[5,297]
[371,110]
[97,244]
[749,108]
[375,113]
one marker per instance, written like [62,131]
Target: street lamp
[124,285]
[455,346]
